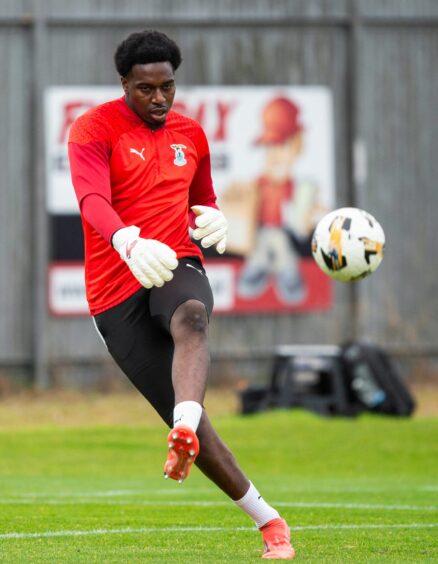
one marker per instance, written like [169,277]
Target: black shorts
[137,335]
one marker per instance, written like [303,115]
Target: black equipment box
[331,380]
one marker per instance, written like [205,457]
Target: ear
[125,85]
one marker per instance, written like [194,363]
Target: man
[141,174]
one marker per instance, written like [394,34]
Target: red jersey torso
[150,178]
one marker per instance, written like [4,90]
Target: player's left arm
[209,223]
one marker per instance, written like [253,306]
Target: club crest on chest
[180,158]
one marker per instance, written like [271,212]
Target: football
[348,244]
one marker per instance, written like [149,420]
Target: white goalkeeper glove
[212,227]
[150,261]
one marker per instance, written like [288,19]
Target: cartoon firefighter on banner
[284,209]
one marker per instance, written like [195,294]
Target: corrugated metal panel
[13,8]
[399,8]
[199,8]
[400,123]
[15,196]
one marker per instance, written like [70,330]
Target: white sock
[256,507]
[187,413]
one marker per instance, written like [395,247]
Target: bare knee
[190,319]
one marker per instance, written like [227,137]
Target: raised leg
[189,330]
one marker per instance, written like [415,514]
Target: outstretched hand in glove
[211,227]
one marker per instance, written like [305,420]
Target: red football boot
[183,450]
[276,536]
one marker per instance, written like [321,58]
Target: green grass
[362,490]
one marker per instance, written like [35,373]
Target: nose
[158,97]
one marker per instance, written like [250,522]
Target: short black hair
[143,47]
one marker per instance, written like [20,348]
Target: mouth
[158,112]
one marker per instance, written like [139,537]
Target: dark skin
[149,92]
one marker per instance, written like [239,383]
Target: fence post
[355,178]
[39,324]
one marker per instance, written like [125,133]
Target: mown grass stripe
[132,530]
[199,503]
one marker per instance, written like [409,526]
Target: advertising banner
[272,155]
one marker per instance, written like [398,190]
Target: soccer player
[142,175]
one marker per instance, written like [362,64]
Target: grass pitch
[363,490]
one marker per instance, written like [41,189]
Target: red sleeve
[89,152]
[89,168]
[101,216]
[201,189]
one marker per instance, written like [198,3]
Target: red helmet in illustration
[280,121]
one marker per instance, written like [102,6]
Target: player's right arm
[89,149]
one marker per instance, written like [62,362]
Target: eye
[168,87]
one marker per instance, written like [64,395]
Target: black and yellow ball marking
[371,248]
[335,260]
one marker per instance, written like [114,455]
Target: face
[149,91]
